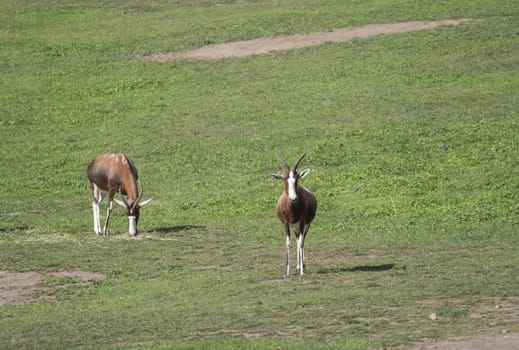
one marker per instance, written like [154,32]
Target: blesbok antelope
[111,173]
[296,209]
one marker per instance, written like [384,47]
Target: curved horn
[134,204]
[282,161]
[299,160]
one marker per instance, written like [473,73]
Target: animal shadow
[175,229]
[362,268]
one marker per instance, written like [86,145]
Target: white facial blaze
[291,181]
[133,225]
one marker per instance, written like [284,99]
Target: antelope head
[133,211]
[291,176]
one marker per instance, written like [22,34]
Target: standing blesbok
[296,209]
[111,173]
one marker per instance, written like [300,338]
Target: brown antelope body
[296,209]
[111,173]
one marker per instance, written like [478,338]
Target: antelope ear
[146,202]
[303,173]
[277,176]
[120,202]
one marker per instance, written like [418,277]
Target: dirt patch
[265,45]
[20,287]
[500,342]
[490,312]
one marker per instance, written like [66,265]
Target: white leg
[305,231]
[303,267]
[297,253]
[302,252]
[300,257]
[95,208]
[97,224]
[287,269]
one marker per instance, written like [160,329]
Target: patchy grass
[411,140]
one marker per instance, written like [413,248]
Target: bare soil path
[498,342]
[265,45]
[22,287]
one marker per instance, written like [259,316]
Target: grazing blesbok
[296,209]
[111,173]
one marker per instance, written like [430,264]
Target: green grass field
[412,140]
